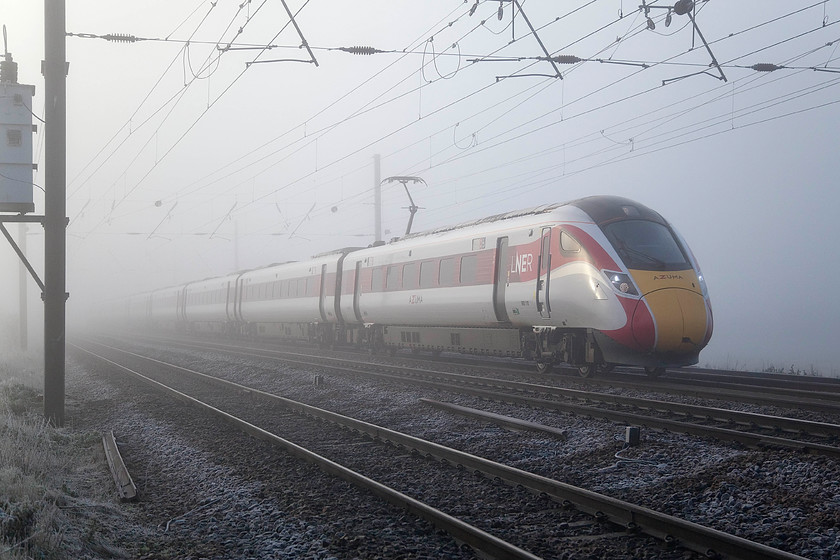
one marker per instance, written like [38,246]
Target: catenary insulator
[682,7]
[765,67]
[8,70]
[120,38]
[361,50]
[567,59]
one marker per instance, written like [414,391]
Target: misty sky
[185,161]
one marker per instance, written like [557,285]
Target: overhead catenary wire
[393,132]
[479,92]
[136,111]
[148,173]
[352,154]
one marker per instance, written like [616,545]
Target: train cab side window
[568,244]
[428,272]
[469,265]
[447,272]
[376,280]
[392,279]
[410,276]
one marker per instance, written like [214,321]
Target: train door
[322,293]
[181,305]
[357,292]
[237,299]
[339,277]
[501,280]
[544,274]
[228,302]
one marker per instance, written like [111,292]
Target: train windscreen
[644,245]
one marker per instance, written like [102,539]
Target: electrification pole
[55,242]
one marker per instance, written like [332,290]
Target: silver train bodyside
[594,282]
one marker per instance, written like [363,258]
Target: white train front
[594,282]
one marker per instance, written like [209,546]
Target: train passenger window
[568,244]
[410,276]
[392,279]
[293,288]
[469,265]
[428,272]
[447,272]
[376,280]
[303,287]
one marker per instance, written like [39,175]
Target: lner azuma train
[593,283]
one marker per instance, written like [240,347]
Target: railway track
[817,394]
[753,430]
[602,508]
[820,395]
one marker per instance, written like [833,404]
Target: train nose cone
[680,321]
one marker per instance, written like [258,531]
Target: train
[591,283]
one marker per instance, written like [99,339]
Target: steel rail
[810,401]
[756,441]
[458,529]
[705,540]
[822,392]
[703,412]
[737,417]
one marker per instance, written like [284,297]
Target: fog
[184,161]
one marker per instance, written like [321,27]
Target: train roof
[601,208]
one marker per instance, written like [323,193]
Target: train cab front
[669,315]
[672,319]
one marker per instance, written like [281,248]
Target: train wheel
[654,372]
[587,370]
[544,367]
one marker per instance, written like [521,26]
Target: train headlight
[622,283]
[703,287]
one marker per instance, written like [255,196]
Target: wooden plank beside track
[125,486]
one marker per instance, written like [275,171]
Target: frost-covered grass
[766,367]
[54,482]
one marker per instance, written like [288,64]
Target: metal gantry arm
[680,8]
[7,235]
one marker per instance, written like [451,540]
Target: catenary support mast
[55,242]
